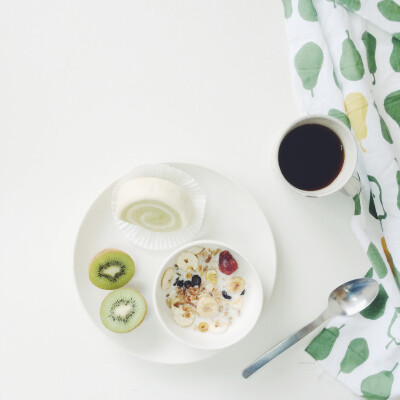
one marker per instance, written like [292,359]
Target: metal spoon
[347,299]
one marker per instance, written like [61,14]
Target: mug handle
[353,186]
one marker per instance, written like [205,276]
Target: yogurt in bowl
[208,295]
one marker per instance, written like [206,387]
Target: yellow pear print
[356,107]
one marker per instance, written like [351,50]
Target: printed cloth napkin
[345,56]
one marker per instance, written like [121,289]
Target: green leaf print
[389,9]
[287,6]
[398,186]
[385,131]
[396,35]
[353,5]
[356,354]
[378,386]
[370,46]
[377,308]
[336,80]
[351,64]
[340,116]
[357,204]
[392,105]
[377,261]
[394,330]
[395,56]
[307,10]
[321,346]
[397,277]
[376,208]
[370,273]
[384,128]
[308,62]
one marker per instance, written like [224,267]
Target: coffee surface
[311,156]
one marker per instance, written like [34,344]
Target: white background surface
[90,88]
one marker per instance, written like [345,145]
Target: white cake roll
[155,204]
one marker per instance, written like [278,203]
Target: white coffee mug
[347,179]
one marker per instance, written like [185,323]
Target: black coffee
[311,157]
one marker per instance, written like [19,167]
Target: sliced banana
[212,276]
[237,303]
[235,285]
[181,317]
[203,327]
[187,261]
[196,250]
[176,302]
[218,327]
[210,287]
[167,278]
[169,302]
[213,263]
[207,306]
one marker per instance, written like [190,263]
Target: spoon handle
[284,345]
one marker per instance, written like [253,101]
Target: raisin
[244,291]
[176,281]
[188,284]
[179,283]
[226,295]
[196,280]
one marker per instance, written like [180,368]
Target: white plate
[232,216]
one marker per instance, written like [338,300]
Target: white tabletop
[90,88]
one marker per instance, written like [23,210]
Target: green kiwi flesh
[123,310]
[111,269]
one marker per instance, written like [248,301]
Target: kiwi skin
[106,305]
[108,284]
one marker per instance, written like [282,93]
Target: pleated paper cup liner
[151,240]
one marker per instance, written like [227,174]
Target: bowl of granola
[208,295]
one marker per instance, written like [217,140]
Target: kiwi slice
[111,269]
[123,310]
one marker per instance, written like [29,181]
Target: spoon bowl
[352,297]
[347,299]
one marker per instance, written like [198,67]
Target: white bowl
[241,326]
